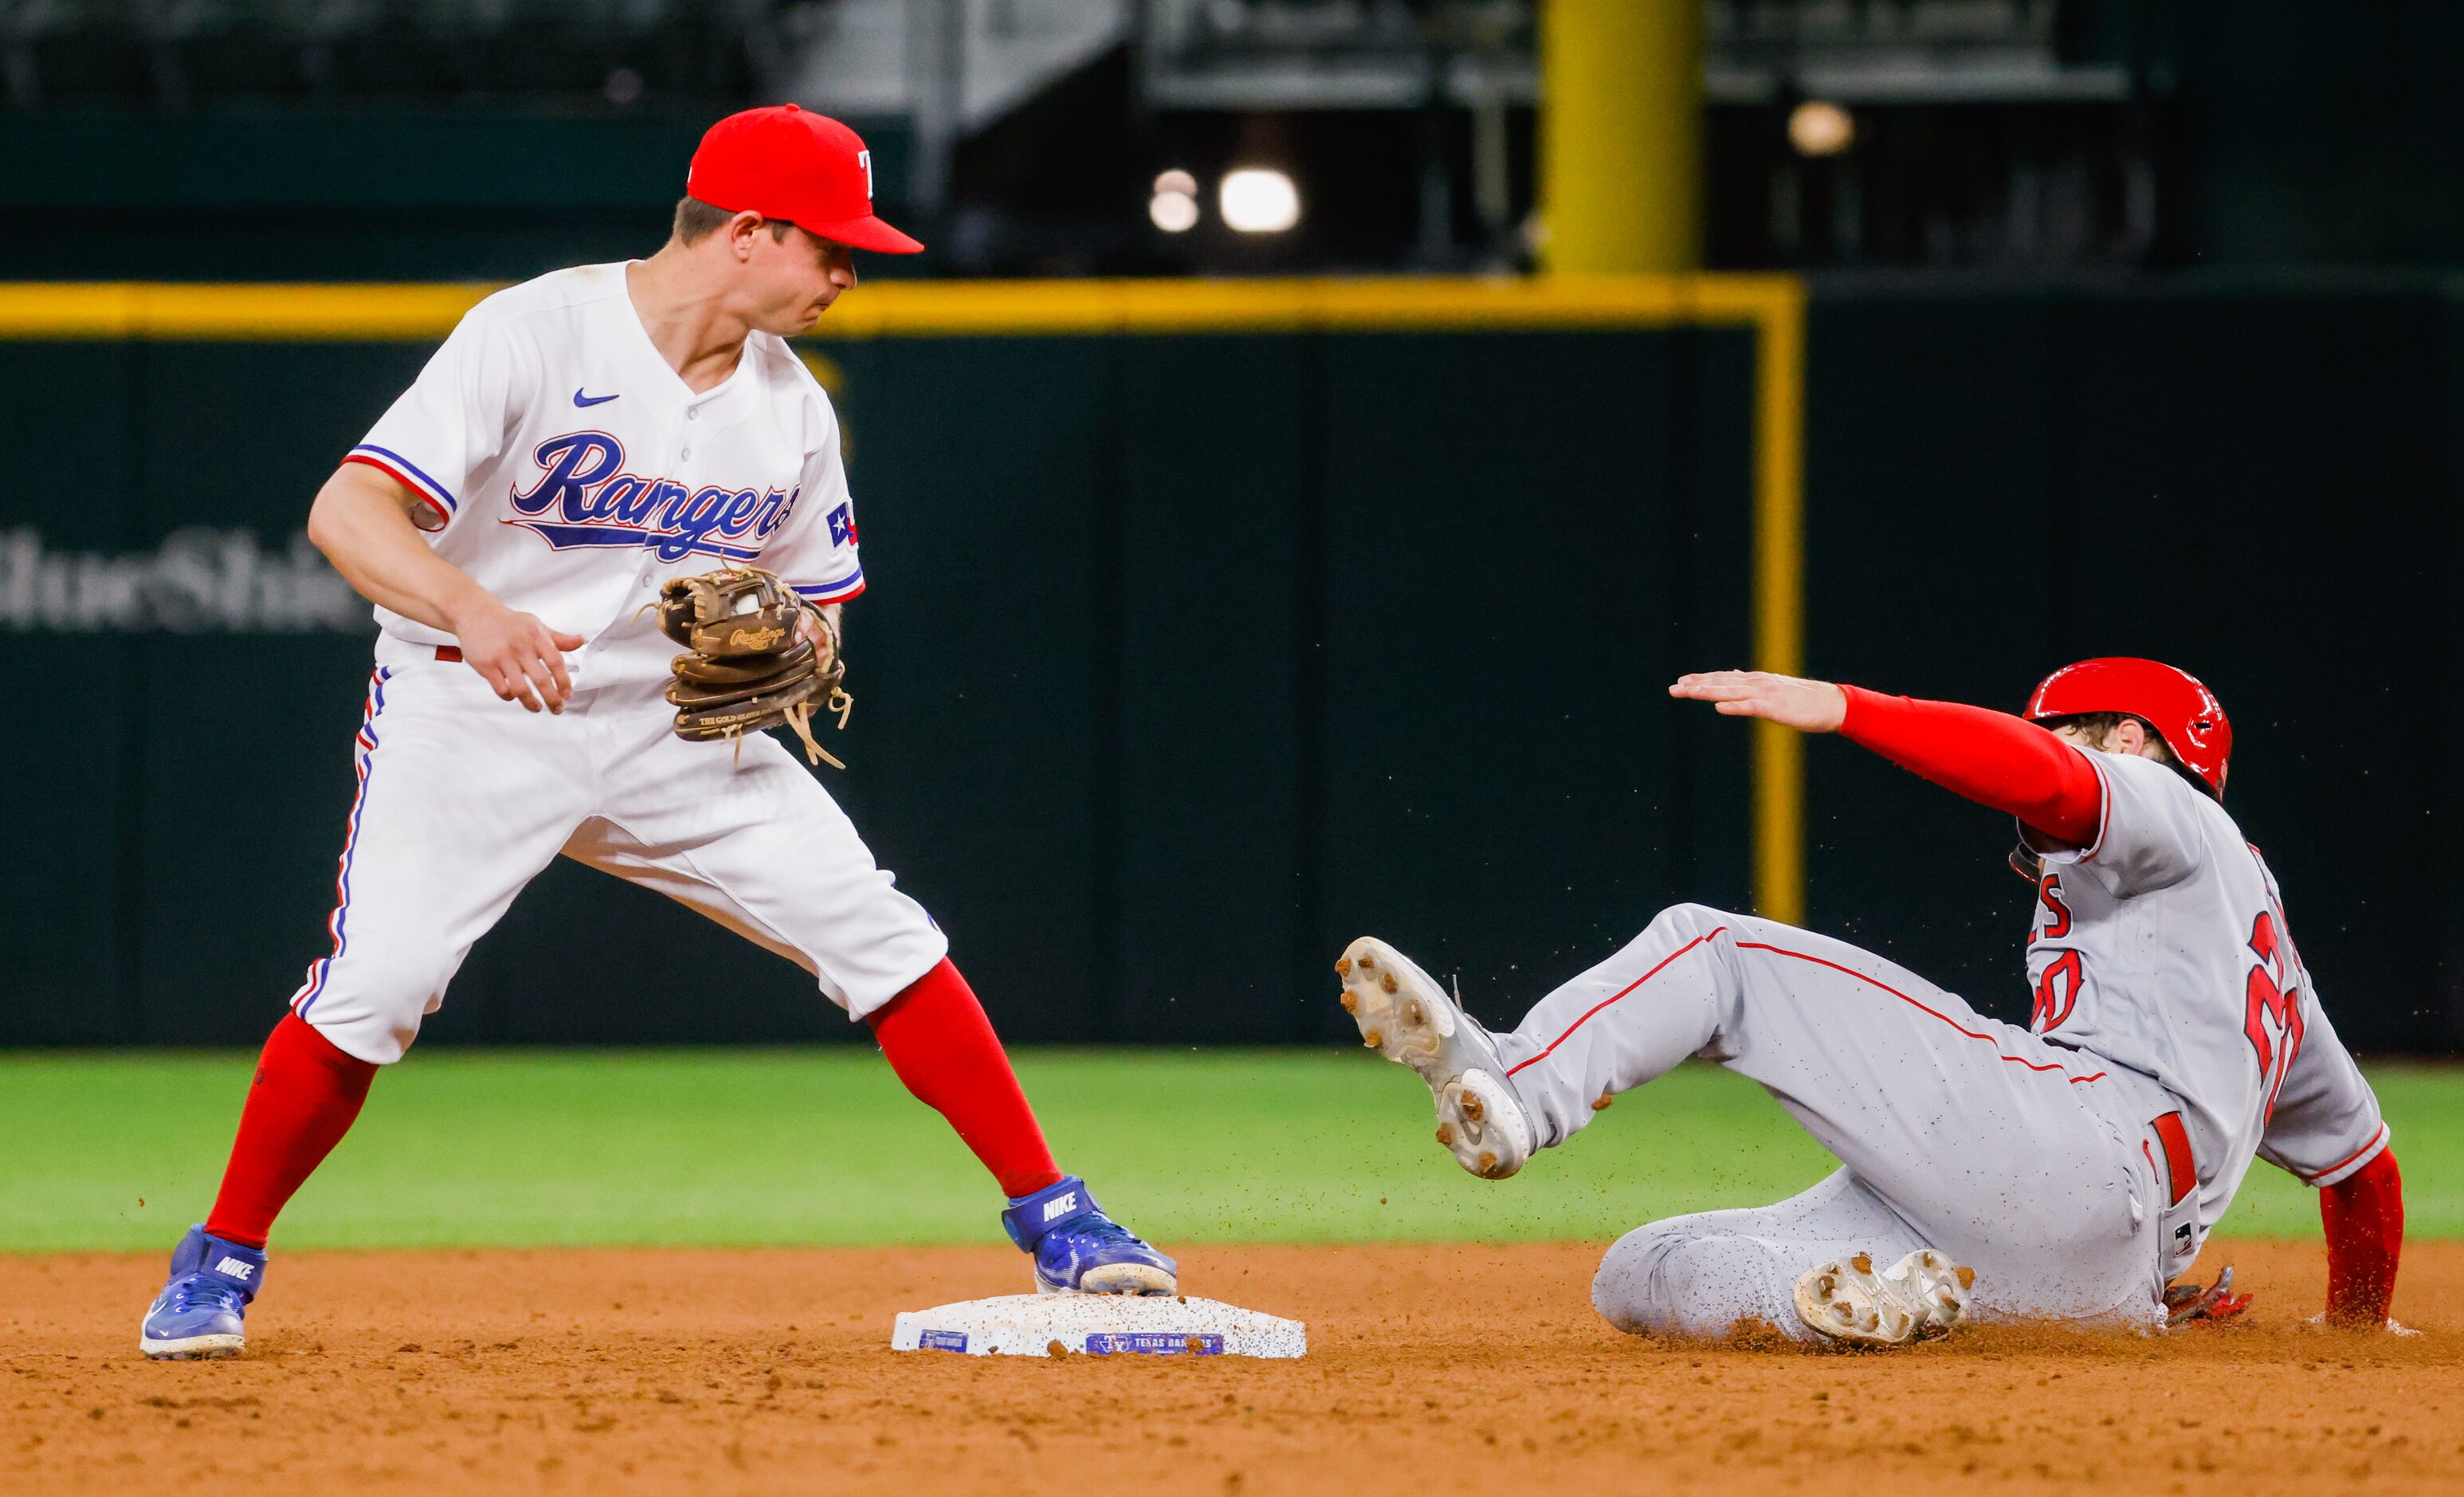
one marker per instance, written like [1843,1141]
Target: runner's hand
[1807,706]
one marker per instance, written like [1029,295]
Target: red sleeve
[1991,758]
[2363,1214]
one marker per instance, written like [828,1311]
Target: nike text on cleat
[199,1312]
[1079,1250]
[1406,1017]
[1922,1296]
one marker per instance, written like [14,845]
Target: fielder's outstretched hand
[1807,706]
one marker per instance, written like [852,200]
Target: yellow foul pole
[1779,601]
[1621,135]
[1622,195]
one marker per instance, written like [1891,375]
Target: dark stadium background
[2133,329]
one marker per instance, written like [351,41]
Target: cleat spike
[1403,1013]
[1923,1296]
[1343,966]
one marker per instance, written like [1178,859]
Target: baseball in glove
[746,666]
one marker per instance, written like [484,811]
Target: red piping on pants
[1818,961]
[1783,950]
[1613,998]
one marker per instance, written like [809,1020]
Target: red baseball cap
[791,164]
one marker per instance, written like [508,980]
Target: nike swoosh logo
[580,399]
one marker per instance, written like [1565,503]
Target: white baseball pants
[464,797]
[1956,1132]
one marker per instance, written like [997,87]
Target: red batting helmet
[2173,703]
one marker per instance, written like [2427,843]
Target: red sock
[943,1047]
[306,1093]
[2363,1214]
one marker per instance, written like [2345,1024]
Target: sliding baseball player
[2069,1170]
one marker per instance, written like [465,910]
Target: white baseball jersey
[568,468]
[2162,947]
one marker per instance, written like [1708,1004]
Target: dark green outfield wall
[1183,661]
[2255,480]
[1186,659]
[478,191]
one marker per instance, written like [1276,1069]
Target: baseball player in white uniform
[576,443]
[2068,1170]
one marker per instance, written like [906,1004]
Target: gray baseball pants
[1956,1132]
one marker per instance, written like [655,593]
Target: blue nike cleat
[1079,1250]
[198,1312]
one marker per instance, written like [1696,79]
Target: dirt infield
[1431,1369]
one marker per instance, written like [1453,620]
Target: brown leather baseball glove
[744,667]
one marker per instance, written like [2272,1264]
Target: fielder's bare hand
[514,653]
[1792,702]
[821,626]
[361,520]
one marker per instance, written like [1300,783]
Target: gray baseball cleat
[1920,1297]
[1406,1017]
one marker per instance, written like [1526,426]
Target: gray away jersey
[2162,947]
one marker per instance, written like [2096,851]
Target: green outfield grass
[822,1145]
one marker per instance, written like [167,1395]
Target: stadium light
[1173,213]
[1819,127]
[1258,200]
[1173,208]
